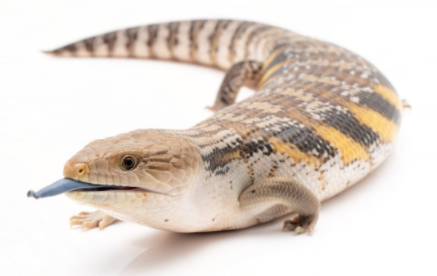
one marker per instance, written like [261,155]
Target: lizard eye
[128,162]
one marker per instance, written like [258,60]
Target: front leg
[91,220]
[243,73]
[288,192]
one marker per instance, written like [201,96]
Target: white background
[50,108]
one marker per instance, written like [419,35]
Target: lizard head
[153,160]
[140,176]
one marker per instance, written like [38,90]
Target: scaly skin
[323,118]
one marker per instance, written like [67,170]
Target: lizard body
[322,119]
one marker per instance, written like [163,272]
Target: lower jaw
[116,199]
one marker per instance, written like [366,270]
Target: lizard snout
[74,171]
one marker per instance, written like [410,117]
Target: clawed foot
[91,220]
[300,224]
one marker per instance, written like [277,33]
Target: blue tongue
[64,185]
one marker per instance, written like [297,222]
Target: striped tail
[216,43]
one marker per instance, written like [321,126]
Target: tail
[216,43]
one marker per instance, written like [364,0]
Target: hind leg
[274,191]
[245,73]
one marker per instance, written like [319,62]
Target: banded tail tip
[51,52]
[47,52]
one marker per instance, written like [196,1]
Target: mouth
[66,185]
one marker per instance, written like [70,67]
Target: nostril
[80,169]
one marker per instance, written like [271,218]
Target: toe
[89,225]
[107,220]
[299,230]
[78,217]
[76,222]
